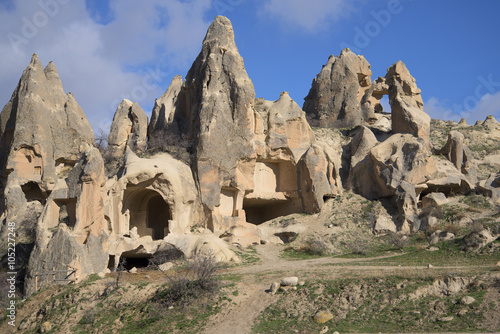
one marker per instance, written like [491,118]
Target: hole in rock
[286,237]
[32,192]
[148,212]
[67,211]
[111,262]
[137,262]
[258,212]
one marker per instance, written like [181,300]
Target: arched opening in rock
[32,192]
[383,106]
[275,192]
[148,212]
[67,211]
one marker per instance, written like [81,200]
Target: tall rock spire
[41,130]
[214,110]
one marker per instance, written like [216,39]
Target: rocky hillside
[183,221]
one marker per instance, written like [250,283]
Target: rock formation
[42,135]
[128,130]
[335,96]
[267,145]
[163,113]
[407,111]
[218,166]
[72,231]
[459,154]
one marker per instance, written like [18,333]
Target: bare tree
[101,141]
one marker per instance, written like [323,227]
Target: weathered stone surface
[490,123]
[434,200]
[459,154]
[467,300]
[402,157]
[361,144]
[75,209]
[335,96]
[491,187]
[42,131]
[439,236]
[406,201]
[268,146]
[128,130]
[319,176]
[477,240]
[383,225]
[370,103]
[407,111]
[447,179]
[206,244]
[274,288]
[163,113]
[281,125]
[161,179]
[322,316]
[214,110]
[290,281]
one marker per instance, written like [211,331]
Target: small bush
[88,318]
[478,202]
[165,255]
[168,141]
[450,228]
[315,246]
[359,246]
[477,227]
[121,268]
[397,240]
[197,282]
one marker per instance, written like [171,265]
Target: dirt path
[253,299]
[239,318]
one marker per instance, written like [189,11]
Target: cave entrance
[275,192]
[148,212]
[32,192]
[67,211]
[258,212]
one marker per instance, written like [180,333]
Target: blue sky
[113,49]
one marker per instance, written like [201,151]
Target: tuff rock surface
[43,132]
[128,130]
[218,166]
[335,96]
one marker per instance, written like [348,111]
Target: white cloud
[131,57]
[312,15]
[434,108]
[489,104]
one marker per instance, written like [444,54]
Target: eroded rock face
[392,169]
[247,155]
[406,102]
[128,130]
[42,132]
[459,154]
[214,110]
[336,93]
[163,114]
[72,231]
[402,157]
